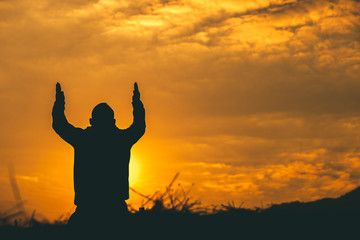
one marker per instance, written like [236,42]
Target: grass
[225,222]
[172,214]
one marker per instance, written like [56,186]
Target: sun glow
[134,170]
[249,100]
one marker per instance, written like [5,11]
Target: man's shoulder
[92,129]
[87,129]
[120,131]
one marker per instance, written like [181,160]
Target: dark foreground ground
[246,225]
[329,218]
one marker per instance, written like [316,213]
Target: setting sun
[256,102]
[134,171]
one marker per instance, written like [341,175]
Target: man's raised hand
[59,94]
[136,96]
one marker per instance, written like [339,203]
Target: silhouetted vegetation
[172,214]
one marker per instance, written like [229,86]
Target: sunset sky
[252,101]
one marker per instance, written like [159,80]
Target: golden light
[250,100]
[134,170]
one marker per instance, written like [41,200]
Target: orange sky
[253,101]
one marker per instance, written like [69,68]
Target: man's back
[101,166]
[102,155]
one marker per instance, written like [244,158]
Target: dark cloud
[294,28]
[69,4]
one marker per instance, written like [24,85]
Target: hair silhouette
[101,162]
[102,110]
[102,116]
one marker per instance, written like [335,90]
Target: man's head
[102,116]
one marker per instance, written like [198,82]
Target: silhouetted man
[101,163]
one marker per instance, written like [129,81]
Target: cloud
[263,96]
[254,186]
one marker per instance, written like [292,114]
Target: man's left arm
[137,128]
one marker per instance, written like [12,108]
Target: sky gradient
[252,101]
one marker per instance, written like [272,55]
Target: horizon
[252,101]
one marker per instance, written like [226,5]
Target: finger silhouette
[136,88]
[58,87]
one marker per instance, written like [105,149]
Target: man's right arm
[60,124]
